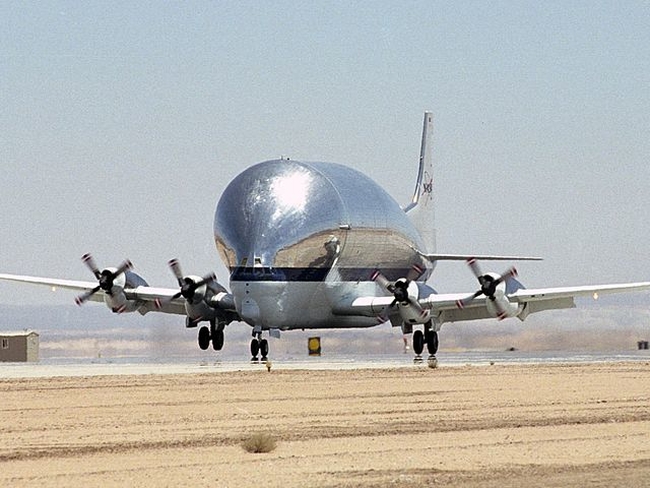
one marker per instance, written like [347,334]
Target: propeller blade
[414,273]
[511,273]
[176,269]
[467,300]
[383,316]
[89,261]
[83,298]
[473,264]
[501,314]
[383,281]
[206,279]
[125,266]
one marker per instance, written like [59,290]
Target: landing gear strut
[259,345]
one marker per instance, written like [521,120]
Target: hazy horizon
[93,332]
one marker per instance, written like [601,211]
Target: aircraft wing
[541,294]
[145,294]
[81,286]
[444,307]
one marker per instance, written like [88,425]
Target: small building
[19,347]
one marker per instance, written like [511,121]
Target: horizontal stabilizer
[467,257]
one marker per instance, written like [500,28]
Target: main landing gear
[430,338]
[259,345]
[212,334]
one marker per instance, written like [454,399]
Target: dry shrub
[259,443]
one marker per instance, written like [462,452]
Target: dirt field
[473,426]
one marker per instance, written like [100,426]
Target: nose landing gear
[259,345]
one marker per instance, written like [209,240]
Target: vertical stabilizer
[421,209]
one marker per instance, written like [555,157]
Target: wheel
[217,340]
[255,348]
[264,349]
[418,342]
[204,338]
[432,342]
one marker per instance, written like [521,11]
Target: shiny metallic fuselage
[300,237]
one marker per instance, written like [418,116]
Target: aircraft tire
[204,338]
[264,349]
[418,342]
[255,348]
[432,342]
[217,340]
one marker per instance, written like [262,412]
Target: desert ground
[470,426]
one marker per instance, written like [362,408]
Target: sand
[470,426]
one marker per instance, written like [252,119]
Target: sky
[121,123]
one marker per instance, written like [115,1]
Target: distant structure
[19,347]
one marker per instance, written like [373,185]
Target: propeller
[488,284]
[399,289]
[106,278]
[187,285]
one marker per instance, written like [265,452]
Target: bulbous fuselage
[297,235]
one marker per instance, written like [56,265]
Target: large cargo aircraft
[313,245]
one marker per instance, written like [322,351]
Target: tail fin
[421,210]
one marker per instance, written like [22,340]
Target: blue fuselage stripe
[312,274]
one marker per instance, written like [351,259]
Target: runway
[474,425]
[70,367]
